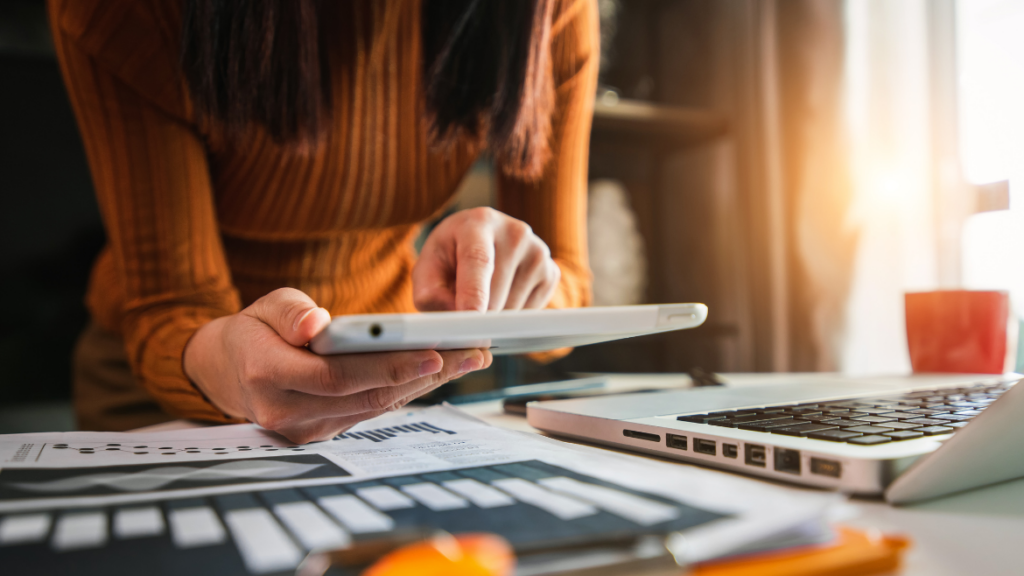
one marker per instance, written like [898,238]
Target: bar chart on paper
[384,434]
[531,503]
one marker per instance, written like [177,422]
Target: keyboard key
[952,417]
[723,413]
[801,411]
[769,424]
[898,425]
[751,418]
[724,422]
[697,418]
[869,440]
[868,429]
[847,405]
[926,421]
[900,415]
[818,417]
[957,424]
[802,429]
[964,405]
[838,411]
[935,430]
[872,419]
[904,435]
[834,435]
[843,423]
[872,411]
[968,413]
[928,411]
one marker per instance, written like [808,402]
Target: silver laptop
[903,438]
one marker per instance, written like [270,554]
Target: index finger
[474,266]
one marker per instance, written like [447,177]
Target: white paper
[313,528]
[264,546]
[757,509]
[195,527]
[24,529]
[80,530]
[138,522]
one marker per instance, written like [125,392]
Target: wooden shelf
[656,124]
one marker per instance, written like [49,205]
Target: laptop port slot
[787,461]
[705,446]
[826,467]
[755,455]
[730,450]
[642,435]
[675,441]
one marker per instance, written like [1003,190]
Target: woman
[241,147]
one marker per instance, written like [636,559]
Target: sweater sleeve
[555,206]
[150,173]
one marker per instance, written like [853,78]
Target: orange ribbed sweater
[197,229]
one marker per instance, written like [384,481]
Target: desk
[977,532]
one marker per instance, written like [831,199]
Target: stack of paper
[241,500]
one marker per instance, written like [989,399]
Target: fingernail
[432,366]
[468,365]
[303,317]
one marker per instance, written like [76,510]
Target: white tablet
[506,332]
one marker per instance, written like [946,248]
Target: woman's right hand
[255,365]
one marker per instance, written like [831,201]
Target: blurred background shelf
[656,124]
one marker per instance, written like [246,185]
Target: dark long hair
[487,71]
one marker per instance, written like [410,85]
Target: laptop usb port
[641,435]
[704,446]
[787,461]
[675,441]
[729,450]
[826,467]
[755,455]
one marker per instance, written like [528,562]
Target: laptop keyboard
[866,421]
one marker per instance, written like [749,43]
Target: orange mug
[961,331]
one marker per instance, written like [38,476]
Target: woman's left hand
[481,259]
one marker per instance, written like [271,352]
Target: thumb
[292,314]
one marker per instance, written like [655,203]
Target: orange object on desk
[853,553]
[462,555]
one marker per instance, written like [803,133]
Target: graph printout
[242,500]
